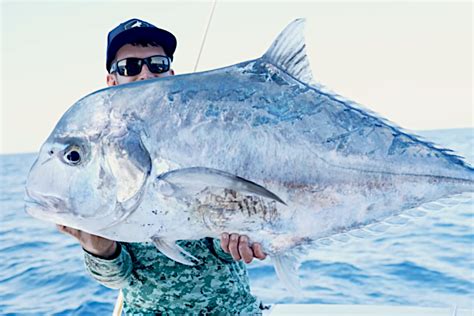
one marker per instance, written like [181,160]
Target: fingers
[258,251]
[225,242]
[244,250]
[239,247]
[234,246]
[70,231]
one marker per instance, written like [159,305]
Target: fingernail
[233,237]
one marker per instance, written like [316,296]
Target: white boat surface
[364,310]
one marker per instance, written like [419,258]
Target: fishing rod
[205,35]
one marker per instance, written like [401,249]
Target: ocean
[428,261]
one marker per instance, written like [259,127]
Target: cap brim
[151,34]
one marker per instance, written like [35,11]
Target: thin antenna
[205,35]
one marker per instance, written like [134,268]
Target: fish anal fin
[286,268]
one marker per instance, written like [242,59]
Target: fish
[259,148]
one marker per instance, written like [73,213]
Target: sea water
[429,261]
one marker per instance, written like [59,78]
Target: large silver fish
[257,148]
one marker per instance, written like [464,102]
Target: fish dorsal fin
[288,52]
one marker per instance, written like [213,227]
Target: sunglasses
[132,66]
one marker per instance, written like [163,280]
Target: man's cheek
[167,74]
[122,80]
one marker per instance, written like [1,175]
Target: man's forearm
[113,270]
[109,252]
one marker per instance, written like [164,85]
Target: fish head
[91,171]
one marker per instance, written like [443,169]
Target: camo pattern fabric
[153,284]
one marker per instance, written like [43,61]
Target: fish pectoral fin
[173,251]
[286,268]
[196,179]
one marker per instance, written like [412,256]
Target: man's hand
[96,245]
[239,248]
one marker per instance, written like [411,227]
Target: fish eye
[72,155]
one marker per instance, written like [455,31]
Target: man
[152,283]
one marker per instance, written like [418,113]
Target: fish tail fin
[286,267]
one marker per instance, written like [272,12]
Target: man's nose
[146,73]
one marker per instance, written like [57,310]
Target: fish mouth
[32,206]
[45,203]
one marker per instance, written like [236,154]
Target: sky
[411,62]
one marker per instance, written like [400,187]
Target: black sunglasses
[132,66]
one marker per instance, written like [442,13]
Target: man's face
[129,50]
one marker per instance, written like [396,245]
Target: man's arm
[106,260]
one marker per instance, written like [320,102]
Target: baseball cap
[135,30]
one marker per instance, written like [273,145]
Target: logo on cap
[135,23]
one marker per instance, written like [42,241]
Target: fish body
[257,148]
